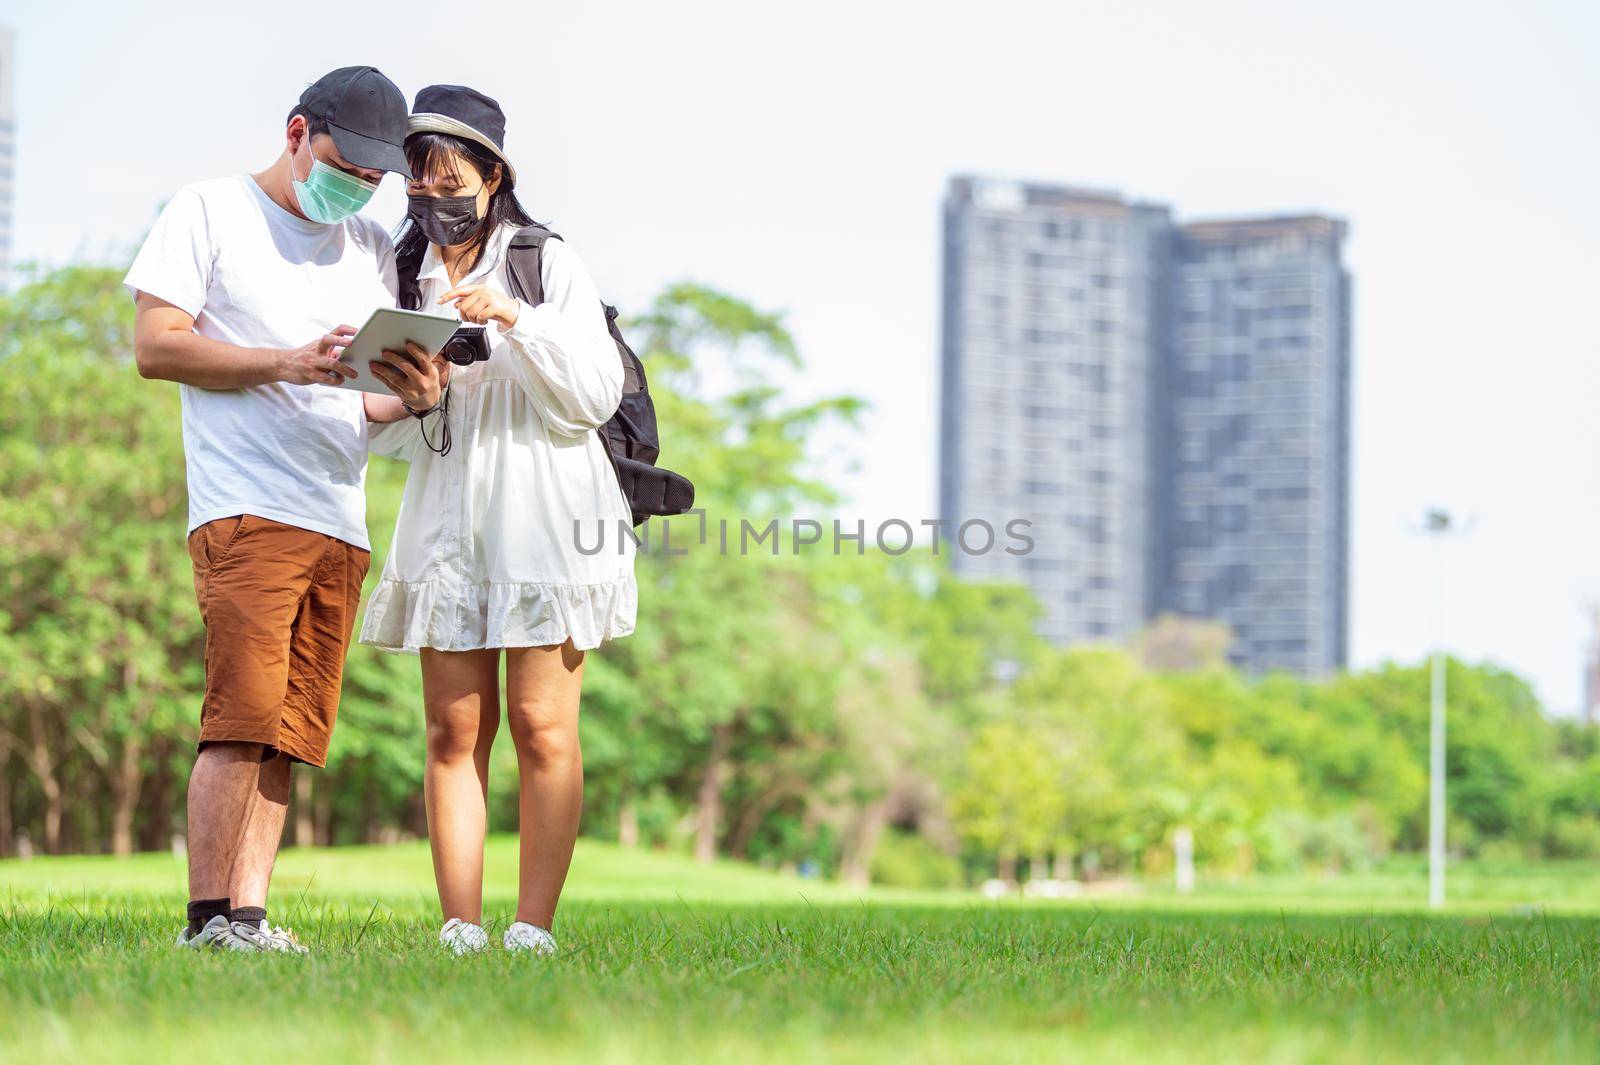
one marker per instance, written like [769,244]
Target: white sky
[796,156]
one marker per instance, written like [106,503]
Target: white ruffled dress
[486,548]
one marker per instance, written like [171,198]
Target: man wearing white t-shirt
[244,288]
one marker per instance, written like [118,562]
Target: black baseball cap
[366,116]
[462,112]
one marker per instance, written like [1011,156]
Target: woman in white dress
[485,561]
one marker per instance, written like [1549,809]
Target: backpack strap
[523,266]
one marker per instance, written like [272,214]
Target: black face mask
[445,220]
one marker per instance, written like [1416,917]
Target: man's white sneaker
[217,934]
[463,937]
[530,937]
[265,937]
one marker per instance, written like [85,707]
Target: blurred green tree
[100,644]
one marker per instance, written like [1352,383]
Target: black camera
[466,346]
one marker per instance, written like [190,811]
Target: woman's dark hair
[432,154]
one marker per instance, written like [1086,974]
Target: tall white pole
[1439,525]
[1436,788]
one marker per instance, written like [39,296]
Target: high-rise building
[1258,412]
[1048,355]
[8,141]
[1168,405]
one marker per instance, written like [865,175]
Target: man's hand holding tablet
[317,363]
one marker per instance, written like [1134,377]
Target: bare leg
[220,788]
[258,848]
[461,698]
[542,689]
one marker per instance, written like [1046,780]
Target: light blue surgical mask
[328,194]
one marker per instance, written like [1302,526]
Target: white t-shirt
[255,275]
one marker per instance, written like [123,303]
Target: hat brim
[369,153]
[434,123]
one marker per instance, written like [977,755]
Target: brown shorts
[279,605]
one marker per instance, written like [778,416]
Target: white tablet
[388,329]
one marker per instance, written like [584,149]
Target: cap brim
[427,122]
[369,153]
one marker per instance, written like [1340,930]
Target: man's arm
[166,348]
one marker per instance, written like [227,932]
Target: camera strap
[443,409]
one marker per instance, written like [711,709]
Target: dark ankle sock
[202,910]
[253,915]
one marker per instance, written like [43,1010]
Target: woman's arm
[567,360]
[381,410]
[417,381]
[398,439]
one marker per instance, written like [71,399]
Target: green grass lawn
[667,960]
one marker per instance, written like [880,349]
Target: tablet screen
[388,330]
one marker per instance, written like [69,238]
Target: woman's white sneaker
[530,937]
[463,937]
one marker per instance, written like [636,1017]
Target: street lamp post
[1437,523]
[1436,787]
